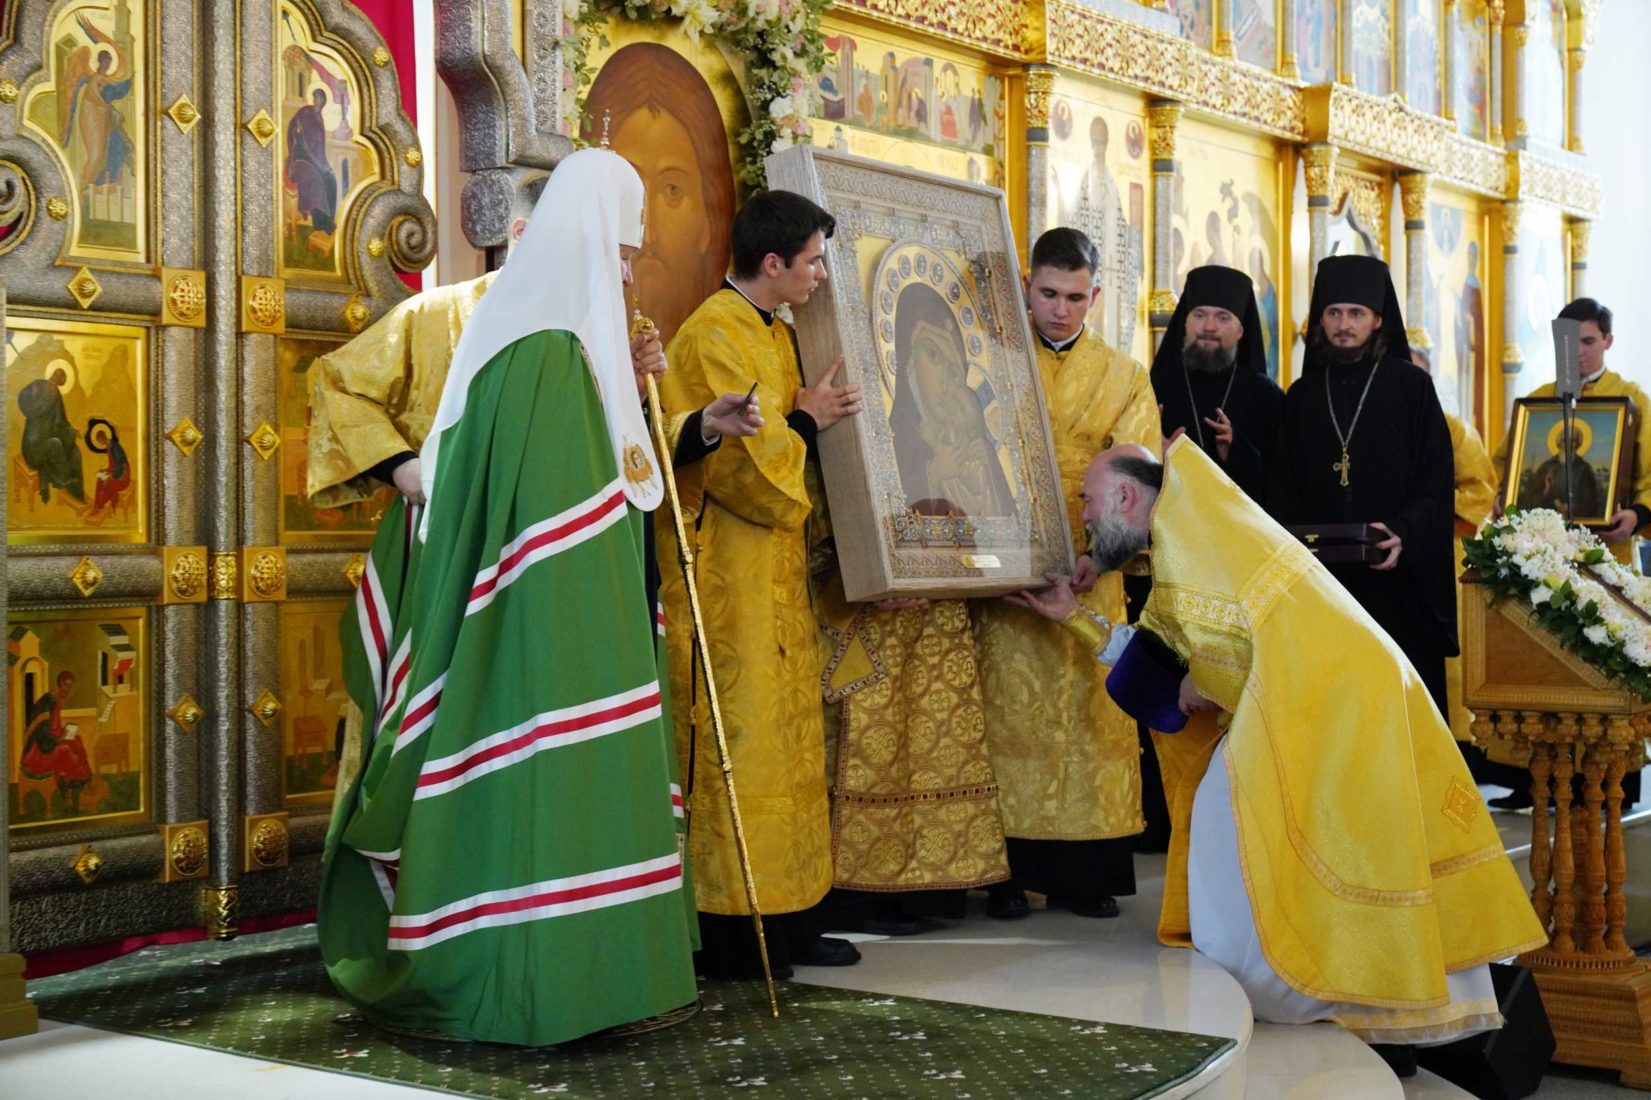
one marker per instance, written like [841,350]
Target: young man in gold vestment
[747,507]
[1329,847]
[1067,759]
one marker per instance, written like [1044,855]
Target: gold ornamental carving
[1369,199]
[1379,126]
[1319,163]
[9,91]
[1413,189]
[1161,302]
[1533,176]
[1580,230]
[185,569]
[224,571]
[220,910]
[375,247]
[187,849]
[263,305]
[355,569]
[183,297]
[88,864]
[1418,339]
[264,439]
[1510,224]
[185,436]
[264,573]
[183,113]
[998,26]
[57,208]
[186,714]
[1162,119]
[381,57]
[85,288]
[356,314]
[1039,84]
[1082,38]
[86,577]
[266,842]
[266,708]
[1512,357]
[261,127]
[413,157]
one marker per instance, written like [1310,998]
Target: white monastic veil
[564,274]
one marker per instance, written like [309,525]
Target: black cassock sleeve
[1426,522]
[1284,497]
[1255,438]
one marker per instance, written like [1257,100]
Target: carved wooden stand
[1582,733]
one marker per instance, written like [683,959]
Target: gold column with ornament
[1163,116]
[1413,188]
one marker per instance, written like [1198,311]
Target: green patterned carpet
[267,996]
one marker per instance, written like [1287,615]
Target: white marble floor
[1054,962]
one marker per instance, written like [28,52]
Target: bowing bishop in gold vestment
[1330,849]
[1067,759]
[747,507]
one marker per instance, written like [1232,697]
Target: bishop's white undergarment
[1223,929]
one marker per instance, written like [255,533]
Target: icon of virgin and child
[944,449]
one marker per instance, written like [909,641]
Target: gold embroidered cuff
[1092,630]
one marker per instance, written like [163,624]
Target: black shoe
[1400,1059]
[1007,903]
[1518,800]
[826,951]
[1103,907]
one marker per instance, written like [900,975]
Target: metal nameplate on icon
[980,561]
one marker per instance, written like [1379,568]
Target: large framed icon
[946,485]
[1603,430]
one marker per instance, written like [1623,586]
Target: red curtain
[394,20]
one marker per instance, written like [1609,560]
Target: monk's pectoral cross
[1342,468]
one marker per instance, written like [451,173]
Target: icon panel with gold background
[91,111]
[674,109]
[314,700]
[302,521]
[77,443]
[77,738]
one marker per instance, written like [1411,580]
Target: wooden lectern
[1583,732]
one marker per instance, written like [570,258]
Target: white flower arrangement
[780,41]
[1568,577]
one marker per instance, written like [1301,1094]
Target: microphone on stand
[1568,387]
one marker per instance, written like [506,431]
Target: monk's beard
[1201,360]
[1112,542]
[1319,346]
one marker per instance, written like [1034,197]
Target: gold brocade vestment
[746,506]
[1067,759]
[1475,495]
[376,396]
[1371,864]
[914,800]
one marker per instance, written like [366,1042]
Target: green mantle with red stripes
[508,864]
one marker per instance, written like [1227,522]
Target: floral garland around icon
[779,40]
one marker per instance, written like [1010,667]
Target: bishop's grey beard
[1218,360]
[1112,542]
